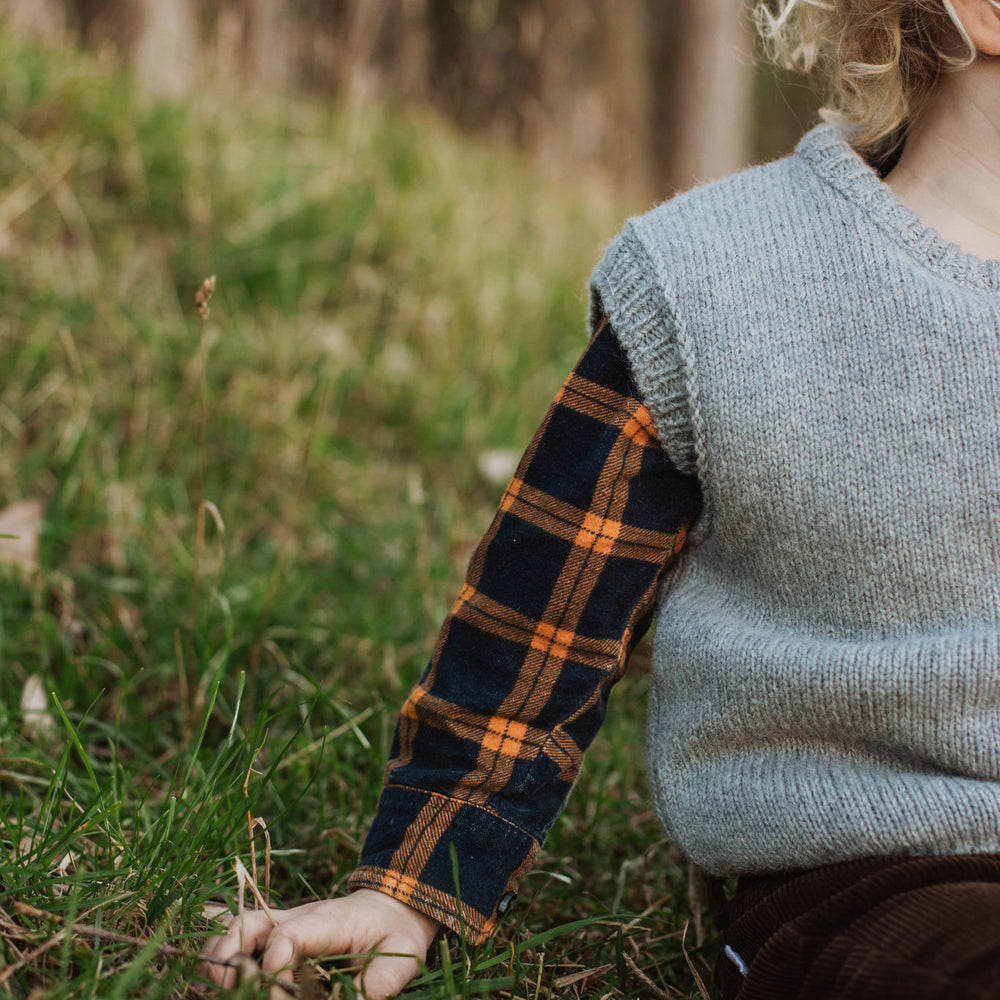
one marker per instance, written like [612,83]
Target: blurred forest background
[650,94]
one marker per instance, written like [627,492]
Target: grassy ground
[252,525]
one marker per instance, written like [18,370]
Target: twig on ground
[26,959]
[656,991]
[102,934]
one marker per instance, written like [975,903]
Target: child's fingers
[247,935]
[308,932]
[283,949]
[358,924]
[385,975]
[325,928]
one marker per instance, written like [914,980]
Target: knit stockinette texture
[827,660]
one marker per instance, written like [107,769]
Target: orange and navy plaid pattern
[490,741]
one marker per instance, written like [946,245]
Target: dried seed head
[203,295]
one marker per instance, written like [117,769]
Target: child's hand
[364,921]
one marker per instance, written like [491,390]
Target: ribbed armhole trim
[625,288]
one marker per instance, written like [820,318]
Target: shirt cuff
[408,855]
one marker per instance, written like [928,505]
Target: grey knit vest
[827,665]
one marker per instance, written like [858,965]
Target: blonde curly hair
[879,58]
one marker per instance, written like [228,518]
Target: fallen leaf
[20,526]
[497,465]
[578,977]
[217,911]
[65,866]
[35,716]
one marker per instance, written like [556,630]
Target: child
[786,426]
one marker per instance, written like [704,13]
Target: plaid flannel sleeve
[490,741]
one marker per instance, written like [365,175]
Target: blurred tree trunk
[713,90]
[362,77]
[268,57]
[45,19]
[165,48]
[628,83]
[593,95]
[552,38]
[413,65]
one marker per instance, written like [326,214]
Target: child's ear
[981,20]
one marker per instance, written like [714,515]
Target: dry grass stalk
[696,902]
[244,878]
[202,297]
[702,988]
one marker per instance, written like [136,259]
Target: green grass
[253,526]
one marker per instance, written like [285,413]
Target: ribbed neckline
[833,159]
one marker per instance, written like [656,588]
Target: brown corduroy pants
[877,929]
